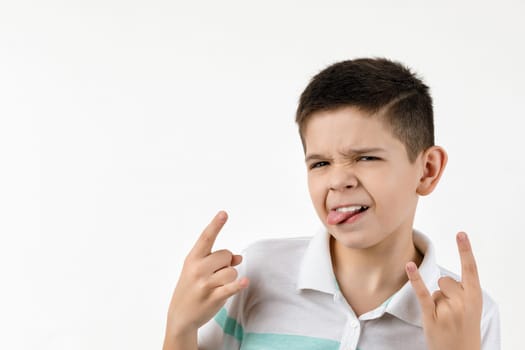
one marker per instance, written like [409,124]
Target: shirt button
[354,324]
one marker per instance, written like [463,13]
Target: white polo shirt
[293,302]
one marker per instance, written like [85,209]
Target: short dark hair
[374,85]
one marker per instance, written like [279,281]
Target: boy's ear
[434,161]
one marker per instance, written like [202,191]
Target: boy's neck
[368,277]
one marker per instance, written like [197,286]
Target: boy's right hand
[206,281]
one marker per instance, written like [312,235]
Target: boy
[365,280]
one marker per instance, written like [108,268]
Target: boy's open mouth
[342,214]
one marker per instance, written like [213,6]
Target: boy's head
[367,132]
[376,86]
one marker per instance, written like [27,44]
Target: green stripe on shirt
[229,325]
[265,341]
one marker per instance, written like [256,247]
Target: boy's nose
[342,179]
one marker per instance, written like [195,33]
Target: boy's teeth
[351,208]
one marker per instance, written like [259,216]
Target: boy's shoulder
[278,258]
[275,249]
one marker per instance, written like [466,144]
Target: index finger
[469,270]
[207,238]
[422,294]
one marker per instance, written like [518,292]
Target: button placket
[352,332]
[352,327]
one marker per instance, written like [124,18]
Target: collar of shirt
[316,273]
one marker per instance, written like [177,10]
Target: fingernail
[244,282]
[221,215]
[411,267]
[462,236]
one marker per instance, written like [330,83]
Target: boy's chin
[355,239]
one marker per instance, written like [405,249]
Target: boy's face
[361,182]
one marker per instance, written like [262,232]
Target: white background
[126,125]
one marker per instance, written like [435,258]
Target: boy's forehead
[347,127]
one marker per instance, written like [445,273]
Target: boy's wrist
[180,338]
[180,329]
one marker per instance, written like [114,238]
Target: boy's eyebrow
[352,151]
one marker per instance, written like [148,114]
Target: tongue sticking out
[336,217]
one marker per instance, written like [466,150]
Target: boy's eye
[318,165]
[367,158]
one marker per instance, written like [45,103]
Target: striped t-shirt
[293,303]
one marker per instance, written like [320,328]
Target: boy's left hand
[451,315]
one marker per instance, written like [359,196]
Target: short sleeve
[225,330]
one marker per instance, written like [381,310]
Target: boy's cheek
[314,189]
